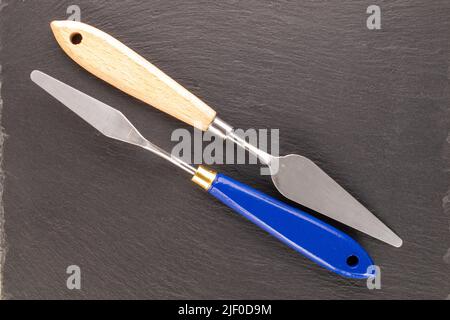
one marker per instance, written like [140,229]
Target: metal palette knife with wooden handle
[295,176]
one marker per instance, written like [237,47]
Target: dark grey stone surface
[370,107]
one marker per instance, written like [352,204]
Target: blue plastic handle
[313,238]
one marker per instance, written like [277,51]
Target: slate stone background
[370,107]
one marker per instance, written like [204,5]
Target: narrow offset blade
[302,181]
[109,121]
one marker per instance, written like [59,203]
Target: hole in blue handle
[352,261]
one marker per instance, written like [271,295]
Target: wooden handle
[115,63]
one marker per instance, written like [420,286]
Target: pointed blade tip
[398,242]
[34,75]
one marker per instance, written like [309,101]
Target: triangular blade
[302,181]
[109,121]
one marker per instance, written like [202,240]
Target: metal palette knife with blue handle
[307,235]
[295,176]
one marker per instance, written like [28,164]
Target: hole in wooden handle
[76,38]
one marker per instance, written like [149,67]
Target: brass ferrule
[204,177]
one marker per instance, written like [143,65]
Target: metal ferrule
[225,131]
[204,177]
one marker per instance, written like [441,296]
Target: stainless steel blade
[109,121]
[302,181]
